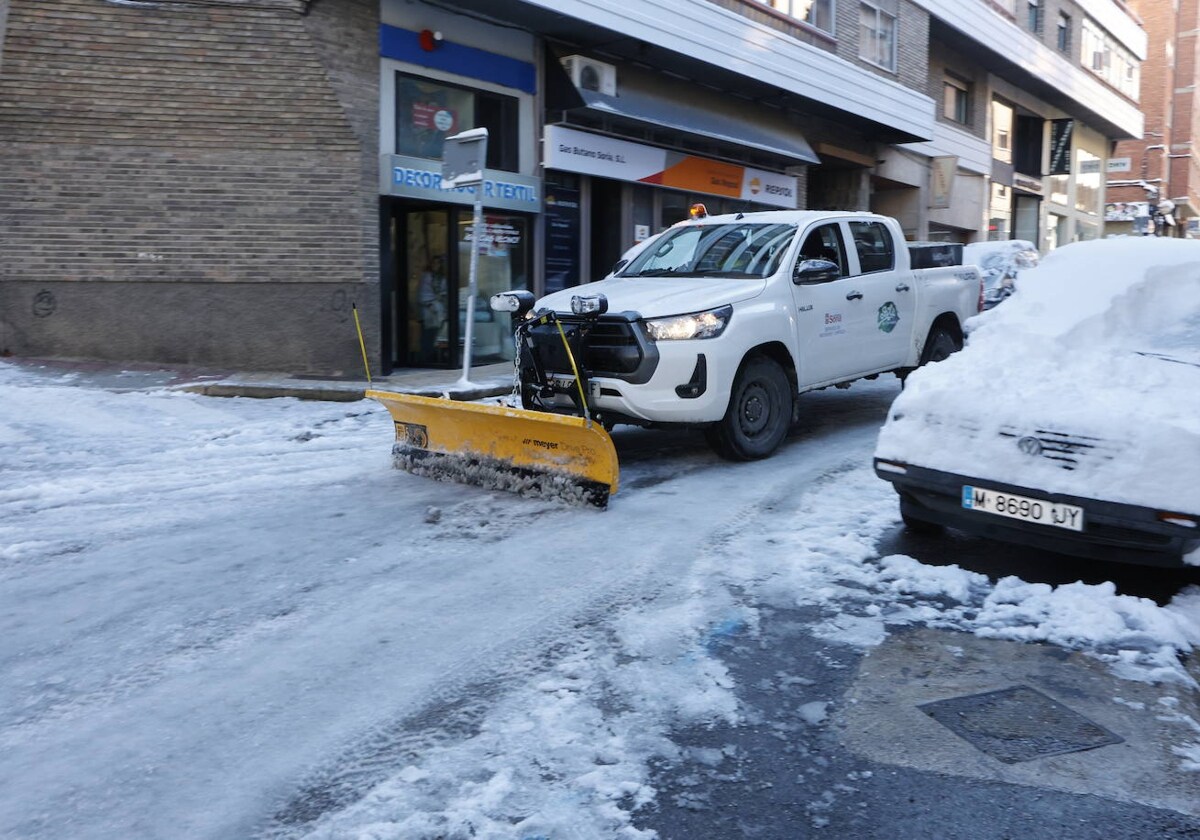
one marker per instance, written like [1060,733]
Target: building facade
[1156,178]
[238,182]
[1029,113]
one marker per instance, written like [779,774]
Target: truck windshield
[717,250]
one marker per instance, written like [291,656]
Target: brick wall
[158,163]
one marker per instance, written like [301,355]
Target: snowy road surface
[228,618]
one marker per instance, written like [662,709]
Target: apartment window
[818,13]
[1064,32]
[956,99]
[1002,129]
[1033,15]
[877,36]
[1109,59]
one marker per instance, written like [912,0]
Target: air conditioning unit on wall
[590,74]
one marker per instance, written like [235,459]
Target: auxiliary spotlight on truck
[719,322]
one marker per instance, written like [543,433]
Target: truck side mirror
[815,271]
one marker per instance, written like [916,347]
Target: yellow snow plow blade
[529,452]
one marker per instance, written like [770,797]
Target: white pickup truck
[723,321]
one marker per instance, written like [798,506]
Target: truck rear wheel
[759,413]
[939,345]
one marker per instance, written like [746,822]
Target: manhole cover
[1018,724]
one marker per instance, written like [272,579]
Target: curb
[338,394]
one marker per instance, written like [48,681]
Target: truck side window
[874,246]
[824,243]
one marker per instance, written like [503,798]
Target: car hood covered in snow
[1097,356]
[657,297]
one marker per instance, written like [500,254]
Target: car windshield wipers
[677,272]
[656,272]
[1164,357]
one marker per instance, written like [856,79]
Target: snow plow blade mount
[529,452]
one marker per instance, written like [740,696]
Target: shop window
[1088,183]
[427,112]
[1057,185]
[999,213]
[1056,231]
[563,218]
[1063,40]
[1027,210]
[956,99]
[877,36]
[502,265]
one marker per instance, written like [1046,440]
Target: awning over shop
[659,110]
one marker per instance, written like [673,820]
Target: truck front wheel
[759,413]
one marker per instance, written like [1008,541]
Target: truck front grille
[615,347]
[611,348]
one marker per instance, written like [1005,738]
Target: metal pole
[473,285]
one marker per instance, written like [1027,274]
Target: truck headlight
[708,324]
[519,301]
[589,304]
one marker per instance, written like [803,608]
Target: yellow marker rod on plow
[529,452]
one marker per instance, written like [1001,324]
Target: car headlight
[708,324]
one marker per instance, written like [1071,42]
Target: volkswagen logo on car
[1030,445]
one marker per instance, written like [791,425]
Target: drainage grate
[1018,724]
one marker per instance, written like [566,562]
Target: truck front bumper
[634,379]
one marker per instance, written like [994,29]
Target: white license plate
[566,385]
[1023,508]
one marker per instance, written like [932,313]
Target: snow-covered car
[1071,421]
[1001,263]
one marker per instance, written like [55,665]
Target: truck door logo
[833,325]
[889,316]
